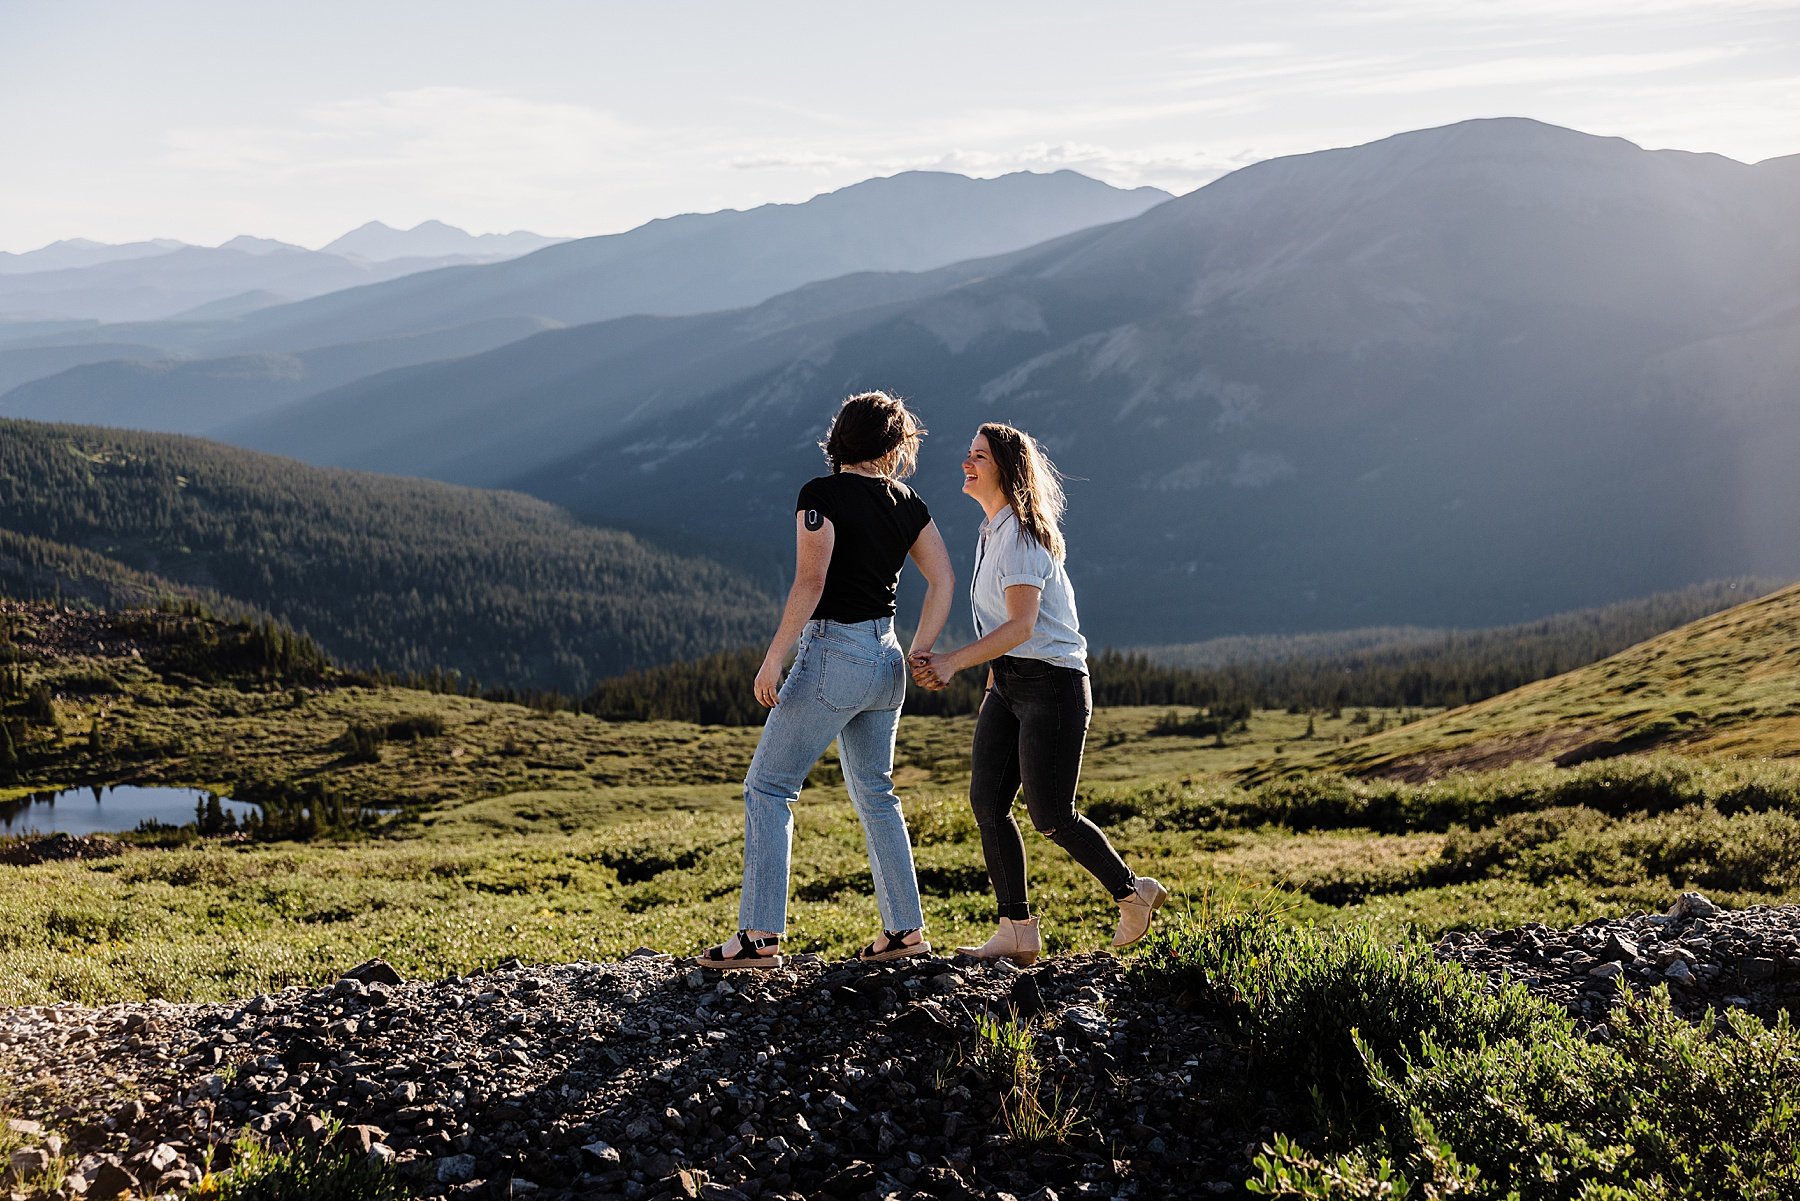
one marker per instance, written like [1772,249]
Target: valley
[1431,518]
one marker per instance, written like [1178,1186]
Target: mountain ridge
[549,277]
[902,221]
[408,575]
[1210,352]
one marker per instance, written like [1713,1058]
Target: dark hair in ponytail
[873,427]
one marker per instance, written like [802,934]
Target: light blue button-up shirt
[1005,555]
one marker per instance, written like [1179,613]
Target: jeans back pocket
[846,682]
[898,674]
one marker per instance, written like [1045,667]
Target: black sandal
[893,945]
[749,954]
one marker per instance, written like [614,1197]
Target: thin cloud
[1537,69]
[1233,51]
[1514,12]
[451,134]
[800,161]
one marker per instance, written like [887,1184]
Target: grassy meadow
[647,851]
[593,840]
[1306,852]
[552,836]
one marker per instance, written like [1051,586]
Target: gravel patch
[650,1078]
[1709,957]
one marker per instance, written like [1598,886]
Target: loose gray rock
[1692,905]
[375,971]
[30,1162]
[821,1079]
[1709,957]
[456,1169]
[604,1154]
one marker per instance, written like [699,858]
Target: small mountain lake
[106,810]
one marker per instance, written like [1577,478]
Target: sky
[203,119]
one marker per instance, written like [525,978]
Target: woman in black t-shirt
[854,530]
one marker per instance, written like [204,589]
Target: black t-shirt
[875,522]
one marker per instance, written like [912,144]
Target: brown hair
[1032,484]
[872,427]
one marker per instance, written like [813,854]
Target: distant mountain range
[163,279]
[1466,376]
[80,252]
[143,389]
[1462,376]
[705,262]
[683,265]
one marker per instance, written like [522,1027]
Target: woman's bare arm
[933,560]
[812,555]
[1022,603]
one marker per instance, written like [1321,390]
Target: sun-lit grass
[560,875]
[1726,684]
[552,836]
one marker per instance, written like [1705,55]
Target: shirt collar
[999,519]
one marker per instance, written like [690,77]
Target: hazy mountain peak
[246,244]
[378,241]
[71,253]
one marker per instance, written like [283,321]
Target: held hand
[933,671]
[921,674]
[768,684]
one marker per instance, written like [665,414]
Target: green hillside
[409,575]
[445,831]
[1728,684]
[183,698]
[34,567]
[1433,668]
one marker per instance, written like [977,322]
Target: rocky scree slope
[1707,957]
[651,1078]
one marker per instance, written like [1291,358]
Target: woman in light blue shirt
[1034,716]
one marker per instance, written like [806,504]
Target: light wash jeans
[847,683]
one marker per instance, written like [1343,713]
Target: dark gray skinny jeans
[1030,733]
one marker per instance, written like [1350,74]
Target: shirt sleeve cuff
[1033,581]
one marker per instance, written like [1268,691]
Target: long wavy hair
[1032,484]
[874,427]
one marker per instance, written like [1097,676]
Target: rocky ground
[650,1078]
[24,852]
[1710,958]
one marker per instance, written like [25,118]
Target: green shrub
[414,727]
[1477,854]
[37,707]
[86,683]
[1299,993]
[1221,718]
[643,860]
[361,743]
[1665,1108]
[310,1172]
[1695,847]
[1445,1087]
